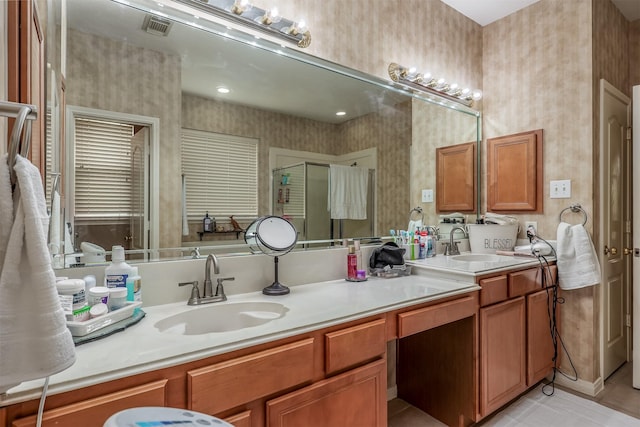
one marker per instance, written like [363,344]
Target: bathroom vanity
[324,361]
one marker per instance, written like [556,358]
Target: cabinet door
[456,178]
[540,347]
[502,354]
[514,173]
[355,398]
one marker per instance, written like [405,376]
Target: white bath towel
[54,225]
[185,220]
[577,260]
[34,339]
[6,207]
[348,192]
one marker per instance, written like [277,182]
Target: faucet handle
[220,288]
[195,292]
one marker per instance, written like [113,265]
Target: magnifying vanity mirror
[148,92]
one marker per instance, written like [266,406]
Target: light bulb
[241,6]
[271,16]
[477,94]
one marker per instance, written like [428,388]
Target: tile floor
[617,406]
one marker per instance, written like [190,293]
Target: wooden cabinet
[352,346]
[514,173]
[355,398]
[94,412]
[213,389]
[456,183]
[516,349]
[502,353]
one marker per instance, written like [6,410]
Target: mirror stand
[276,288]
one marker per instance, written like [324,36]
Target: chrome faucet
[208,295]
[208,287]
[451,248]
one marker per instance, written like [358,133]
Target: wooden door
[502,354]
[456,178]
[25,40]
[614,121]
[355,398]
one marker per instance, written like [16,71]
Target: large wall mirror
[146,113]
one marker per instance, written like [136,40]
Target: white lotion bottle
[116,273]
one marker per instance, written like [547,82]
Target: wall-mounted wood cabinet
[456,187]
[514,173]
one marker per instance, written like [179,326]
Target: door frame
[605,86]
[153,123]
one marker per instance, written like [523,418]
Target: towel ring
[576,209]
[419,211]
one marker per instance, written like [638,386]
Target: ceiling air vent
[156,26]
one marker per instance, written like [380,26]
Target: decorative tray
[79,329]
[389,272]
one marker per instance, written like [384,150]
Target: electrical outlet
[560,189]
[533,224]
[427,196]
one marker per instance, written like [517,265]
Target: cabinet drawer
[348,347]
[94,412]
[494,289]
[222,386]
[415,321]
[527,281]
[242,419]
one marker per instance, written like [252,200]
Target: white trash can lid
[153,416]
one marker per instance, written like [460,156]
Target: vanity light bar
[427,83]
[267,21]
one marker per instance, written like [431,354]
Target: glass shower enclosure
[301,194]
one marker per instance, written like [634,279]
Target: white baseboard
[581,386]
[392,393]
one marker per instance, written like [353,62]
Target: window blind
[221,173]
[102,169]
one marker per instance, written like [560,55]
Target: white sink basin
[477,257]
[221,317]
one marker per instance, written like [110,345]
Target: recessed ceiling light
[222,89]
[341,113]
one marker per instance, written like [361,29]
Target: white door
[139,221]
[636,239]
[614,121]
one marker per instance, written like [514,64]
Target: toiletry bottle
[358,252]
[207,225]
[422,252]
[430,245]
[116,273]
[134,286]
[352,264]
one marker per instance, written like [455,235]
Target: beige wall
[634,53]
[114,76]
[541,69]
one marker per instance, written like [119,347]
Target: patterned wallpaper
[114,76]
[541,69]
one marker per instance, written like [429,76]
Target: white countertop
[449,268]
[143,348]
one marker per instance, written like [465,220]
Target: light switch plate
[427,196]
[560,189]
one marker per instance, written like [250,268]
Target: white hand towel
[348,192]
[34,339]
[54,225]
[577,261]
[185,220]
[6,207]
